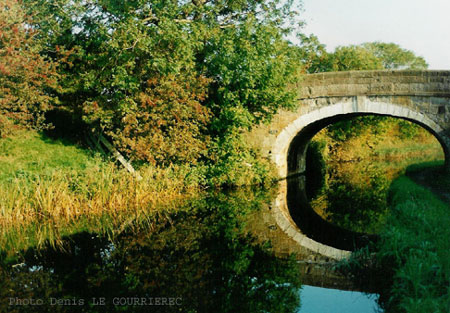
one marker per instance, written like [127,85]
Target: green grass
[410,264]
[415,243]
[29,153]
[51,188]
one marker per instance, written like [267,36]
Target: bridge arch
[419,96]
[422,97]
[289,148]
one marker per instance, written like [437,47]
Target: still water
[223,252]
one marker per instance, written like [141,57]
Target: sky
[422,26]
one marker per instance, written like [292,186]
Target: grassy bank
[416,243]
[51,188]
[411,261]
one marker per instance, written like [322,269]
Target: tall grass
[49,189]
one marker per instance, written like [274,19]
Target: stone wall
[375,83]
[422,97]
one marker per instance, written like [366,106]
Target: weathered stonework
[422,97]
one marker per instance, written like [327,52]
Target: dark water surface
[220,253]
[200,258]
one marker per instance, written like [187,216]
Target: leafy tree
[162,77]
[354,58]
[251,66]
[313,55]
[168,124]
[26,76]
[133,75]
[367,56]
[394,57]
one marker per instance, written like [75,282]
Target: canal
[247,250]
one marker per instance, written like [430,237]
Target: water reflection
[199,259]
[224,252]
[315,226]
[353,194]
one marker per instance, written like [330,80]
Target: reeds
[103,199]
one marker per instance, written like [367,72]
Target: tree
[394,57]
[367,56]
[251,65]
[26,76]
[354,58]
[162,77]
[313,55]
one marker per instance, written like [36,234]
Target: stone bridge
[422,97]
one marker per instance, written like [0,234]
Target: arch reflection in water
[341,199]
[314,226]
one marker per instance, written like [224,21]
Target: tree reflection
[358,207]
[354,196]
[199,255]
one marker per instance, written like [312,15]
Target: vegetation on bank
[416,245]
[410,262]
[350,169]
[379,138]
[168,83]
[173,86]
[51,188]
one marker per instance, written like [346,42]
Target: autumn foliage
[25,75]
[171,82]
[168,125]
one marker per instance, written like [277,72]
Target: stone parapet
[371,83]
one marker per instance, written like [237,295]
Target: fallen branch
[119,157]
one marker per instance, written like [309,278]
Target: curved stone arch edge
[283,140]
[288,226]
